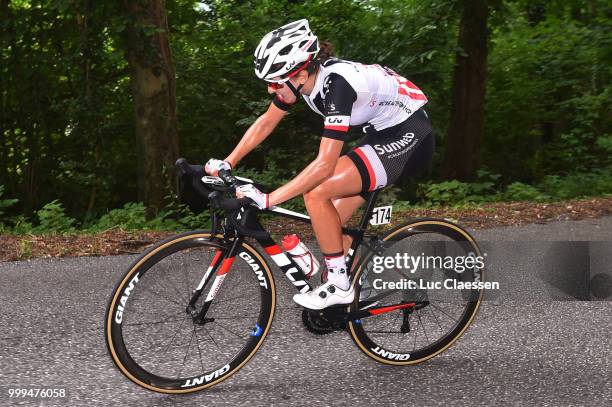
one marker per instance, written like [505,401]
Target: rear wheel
[443,310]
[156,339]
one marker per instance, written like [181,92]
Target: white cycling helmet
[285,51]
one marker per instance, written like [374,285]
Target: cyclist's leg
[346,207]
[326,218]
[327,225]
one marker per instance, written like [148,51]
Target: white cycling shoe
[325,296]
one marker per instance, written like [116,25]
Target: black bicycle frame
[292,271]
[249,221]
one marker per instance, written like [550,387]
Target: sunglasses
[276,85]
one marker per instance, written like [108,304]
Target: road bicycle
[193,309]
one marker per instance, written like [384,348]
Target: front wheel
[155,329]
[420,278]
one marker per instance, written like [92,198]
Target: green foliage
[605,143]
[445,193]
[53,219]
[389,196]
[549,89]
[517,191]
[188,220]
[66,114]
[181,219]
[551,188]
[4,204]
[20,225]
[598,182]
[455,192]
[133,216]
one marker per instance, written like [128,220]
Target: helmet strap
[296,91]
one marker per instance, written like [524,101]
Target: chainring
[318,325]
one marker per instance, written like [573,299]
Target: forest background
[98,99]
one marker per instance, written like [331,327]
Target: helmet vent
[285,51]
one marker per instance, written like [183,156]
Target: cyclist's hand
[213,166]
[259,198]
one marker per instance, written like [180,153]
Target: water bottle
[301,255]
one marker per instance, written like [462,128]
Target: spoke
[387,323]
[156,294]
[163,273]
[423,325]
[442,311]
[150,337]
[393,321]
[178,293]
[416,333]
[401,273]
[229,330]
[199,349]
[224,300]
[186,354]
[212,339]
[187,287]
[163,321]
[437,320]
[399,346]
[382,295]
[174,336]
[443,300]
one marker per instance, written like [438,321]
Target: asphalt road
[533,342]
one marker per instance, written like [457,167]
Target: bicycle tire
[391,356]
[123,310]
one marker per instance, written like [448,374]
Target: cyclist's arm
[337,110]
[257,133]
[314,174]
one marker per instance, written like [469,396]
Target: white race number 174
[381,215]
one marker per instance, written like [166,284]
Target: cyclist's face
[274,87]
[283,90]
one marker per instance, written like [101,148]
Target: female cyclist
[385,106]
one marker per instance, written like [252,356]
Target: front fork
[219,267]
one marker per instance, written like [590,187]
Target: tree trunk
[468,92]
[153,91]
[4,73]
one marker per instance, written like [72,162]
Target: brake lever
[228,178]
[233,206]
[236,206]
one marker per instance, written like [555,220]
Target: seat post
[369,208]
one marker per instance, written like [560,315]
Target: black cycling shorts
[383,157]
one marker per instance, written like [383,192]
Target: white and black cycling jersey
[352,94]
